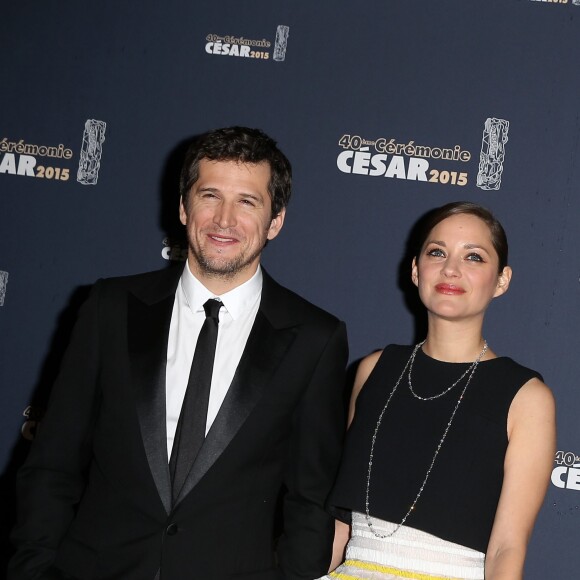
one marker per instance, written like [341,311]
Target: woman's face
[457,269]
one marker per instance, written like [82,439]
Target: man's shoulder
[288,304]
[145,284]
[144,277]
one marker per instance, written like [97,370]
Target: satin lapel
[148,328]
[264,351]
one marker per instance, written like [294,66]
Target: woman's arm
[363,371]
[342,530]
[528,464]
[341,537]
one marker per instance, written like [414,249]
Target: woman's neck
[453,342]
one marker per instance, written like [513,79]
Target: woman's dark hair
[437,215]
[243,145]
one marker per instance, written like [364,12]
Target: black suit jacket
[94,494]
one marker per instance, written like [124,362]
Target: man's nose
[225,215]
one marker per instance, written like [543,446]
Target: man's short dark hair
[243,145]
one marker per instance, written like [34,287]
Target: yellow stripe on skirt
[384,570]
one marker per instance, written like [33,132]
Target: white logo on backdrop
[91,151]
[241,47]
[174,251]
[566,474]
[281,44]
[574,2]
[491,158]
[3,283]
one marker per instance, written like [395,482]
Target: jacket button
[172,529]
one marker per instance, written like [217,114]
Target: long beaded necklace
[471,370]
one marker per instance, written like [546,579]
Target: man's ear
[503,281]
[182,212]
[276,224]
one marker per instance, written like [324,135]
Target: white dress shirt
[236,318]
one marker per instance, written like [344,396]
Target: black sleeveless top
[460,498]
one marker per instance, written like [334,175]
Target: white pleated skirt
[409,553]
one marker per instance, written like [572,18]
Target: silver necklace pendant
[471,370]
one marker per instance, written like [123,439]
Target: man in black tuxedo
[98,497]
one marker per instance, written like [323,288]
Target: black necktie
[190,432]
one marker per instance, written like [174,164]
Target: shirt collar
[236,301]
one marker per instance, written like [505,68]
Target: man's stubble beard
[223,268]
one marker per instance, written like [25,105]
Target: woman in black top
[450,447]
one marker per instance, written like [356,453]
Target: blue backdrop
[385,108]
